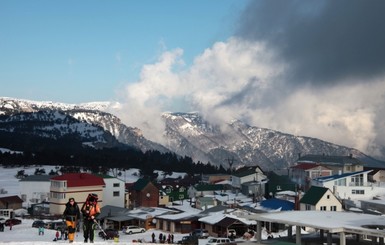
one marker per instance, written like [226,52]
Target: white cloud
[238,79]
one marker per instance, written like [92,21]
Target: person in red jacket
[90,211]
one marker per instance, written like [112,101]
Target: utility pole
[230,162]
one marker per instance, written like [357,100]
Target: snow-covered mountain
[240,144]
[88,120]
[186,134]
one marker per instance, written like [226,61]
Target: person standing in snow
[71,215]
[90,211]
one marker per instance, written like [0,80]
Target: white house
[247,174]
[320,199]
[114,191]
[352,186]
[34,189]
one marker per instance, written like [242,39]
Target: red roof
[80,179]
[306,166]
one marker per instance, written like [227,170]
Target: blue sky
[81,51]
[311,68]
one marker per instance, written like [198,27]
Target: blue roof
[339,176]
[274,203]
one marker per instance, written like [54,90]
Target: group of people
[90,211]
[163,238]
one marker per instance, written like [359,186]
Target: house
[205,202]
[35,189]
[338,164]
[352,186]
[143,193]
[11,202]
[201,190]
[247,174]
[183,222]
[377,175]
[219,220]
[76,185]
[320,199]
[173,191]
[114,191]
[277,184]
[303,172]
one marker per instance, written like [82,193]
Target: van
[220,241]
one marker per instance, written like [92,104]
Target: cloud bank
[311,69]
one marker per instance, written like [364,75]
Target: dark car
[38,223]
[111,234]
[12,221]
[188,240]
[201,233]
[56,225]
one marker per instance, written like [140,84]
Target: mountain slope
[241,144]
[89,114]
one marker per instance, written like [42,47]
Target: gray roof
[36,178]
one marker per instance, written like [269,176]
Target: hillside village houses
[335,184]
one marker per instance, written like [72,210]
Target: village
[323,197]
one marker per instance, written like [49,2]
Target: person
[1,226]
[153,237]
[71,215]
[41,230]
[56,235]
[90,211]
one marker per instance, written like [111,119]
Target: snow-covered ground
[26,234]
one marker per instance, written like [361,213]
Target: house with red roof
[303,173]
[76,185]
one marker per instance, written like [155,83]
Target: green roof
[313,195]
[140,184]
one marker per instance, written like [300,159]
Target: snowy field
[25,234]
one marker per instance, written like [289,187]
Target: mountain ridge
[189,134]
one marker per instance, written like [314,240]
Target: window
[328,196]
[116,194]
[278,187]
[308,207]
[333,208]
[358,192]
[323,208]
[116,184]
[58,195]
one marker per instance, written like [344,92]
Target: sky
[313,68]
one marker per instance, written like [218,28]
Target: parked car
[189,240]
[220,241]
[111,234]
[134,229]
[38,223]
[201,233]
[56,225]
[12,221]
